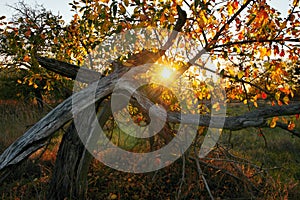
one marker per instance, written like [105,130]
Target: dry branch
[35,137]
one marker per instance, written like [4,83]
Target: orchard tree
[32,32]
[255,50]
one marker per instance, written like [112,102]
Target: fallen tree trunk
[35,137]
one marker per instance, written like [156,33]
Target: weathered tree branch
[71,71]
[256,118]
[34,138]
[276,40]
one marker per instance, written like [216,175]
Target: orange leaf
[235,4]
[291,126]
[26,58]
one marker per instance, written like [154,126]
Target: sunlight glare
[166,73]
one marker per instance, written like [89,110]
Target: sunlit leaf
[291,126]
[286,100]
[273,122]
[264,95]
[240,74]
[26,58]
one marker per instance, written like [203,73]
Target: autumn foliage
[254,49]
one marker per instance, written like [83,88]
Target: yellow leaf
[240,74]
[30,81]
[255,104]
[283,25]
[273,122]
[113,196]
[268,53]
[245,101]
[35,86]
[277,96]
[202,20]
[216,106]
[231,72]
[263,52]
[286,100]
[230,10]
[208,96]
[237,49]
[19,81]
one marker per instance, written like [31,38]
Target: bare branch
[69,70]
[278,40]
[200,174]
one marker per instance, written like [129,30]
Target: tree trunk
[65,174]
[69,178]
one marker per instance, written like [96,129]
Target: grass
[16,118]
[279,156]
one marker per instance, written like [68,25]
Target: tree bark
[69,178]
[63,182]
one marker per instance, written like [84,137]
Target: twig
[200,173]
[182,177]
[218,169]
[257,41]
[244,178]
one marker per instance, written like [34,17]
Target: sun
[166,73]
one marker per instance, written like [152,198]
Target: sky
[56,6]
[62,7]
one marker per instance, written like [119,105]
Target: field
[274,151]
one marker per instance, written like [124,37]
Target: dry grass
[16,117]
[279,179]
